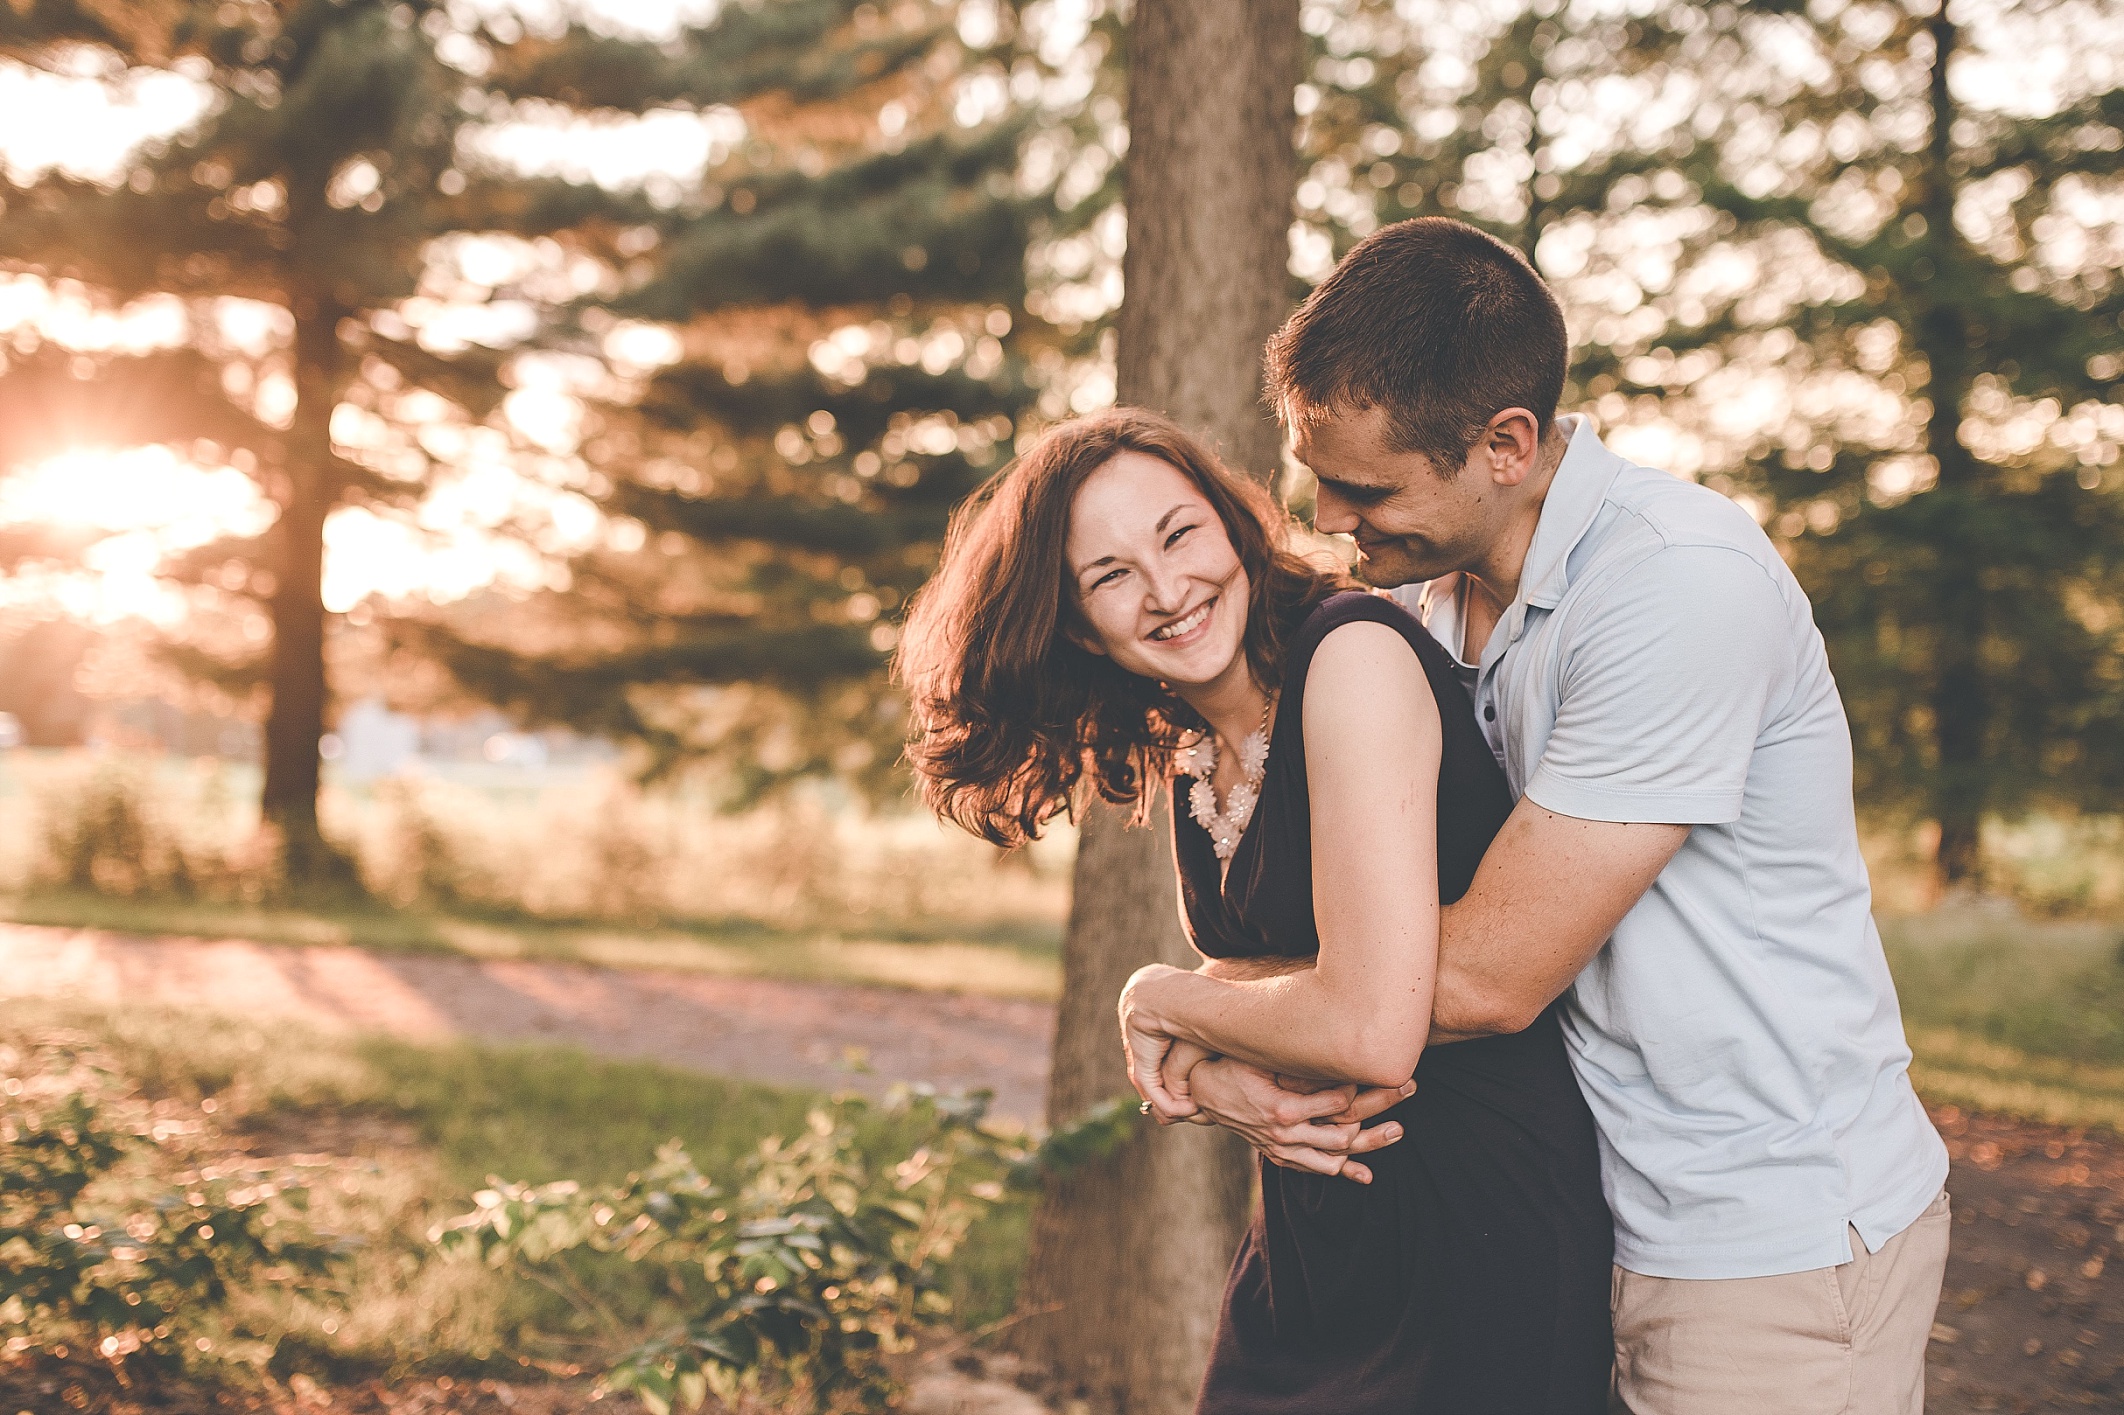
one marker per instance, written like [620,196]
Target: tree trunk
[1128,1255]
[296,721]
[1959,709]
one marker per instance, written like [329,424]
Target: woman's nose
[1163,590]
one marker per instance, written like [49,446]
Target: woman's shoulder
[1357,607]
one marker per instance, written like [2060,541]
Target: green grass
[414,1131]
[1001,960]
[2012,1015]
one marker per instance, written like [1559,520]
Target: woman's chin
[1200,666]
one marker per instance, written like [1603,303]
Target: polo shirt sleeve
[1664,685]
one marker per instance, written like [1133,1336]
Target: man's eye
[1359,495]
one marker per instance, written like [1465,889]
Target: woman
[1115,609]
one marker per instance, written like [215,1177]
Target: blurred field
[2012,1015]
[573,865]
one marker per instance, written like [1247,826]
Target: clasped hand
[1317,1126]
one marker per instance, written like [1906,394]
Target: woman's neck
[1232,704]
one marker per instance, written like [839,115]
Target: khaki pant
[1847,1340]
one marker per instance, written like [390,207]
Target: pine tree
[1924,284]
[326,164]
[844,351]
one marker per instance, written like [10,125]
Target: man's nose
[1332,516]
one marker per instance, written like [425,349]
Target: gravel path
[811,1034]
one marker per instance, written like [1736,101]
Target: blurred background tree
[813,354]
[283,233]
[1935,263]
[1827,259]
[1128,1254]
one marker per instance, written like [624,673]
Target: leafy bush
[817,1266]
[823,1262]
[112,1237]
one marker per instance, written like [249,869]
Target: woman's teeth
[1181,626]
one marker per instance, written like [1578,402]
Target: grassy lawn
[2015,1016]
[402,1135]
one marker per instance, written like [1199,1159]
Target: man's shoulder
[1675,512]
[1656,524]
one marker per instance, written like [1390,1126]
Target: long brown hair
[1012,719]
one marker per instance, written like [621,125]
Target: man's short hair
[1439,324]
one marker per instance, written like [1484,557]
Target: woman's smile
[1185,628]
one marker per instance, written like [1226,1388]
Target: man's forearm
[1549,891]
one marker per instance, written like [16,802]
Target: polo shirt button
[1489,713]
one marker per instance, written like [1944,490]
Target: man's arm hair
[1545,898]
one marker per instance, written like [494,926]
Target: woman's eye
[1108,578]
[1174,539]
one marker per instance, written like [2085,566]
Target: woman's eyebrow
[1168,516]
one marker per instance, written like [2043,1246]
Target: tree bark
[1129,1254]
[1959,707]
[295,723]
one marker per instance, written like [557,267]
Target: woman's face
[1156,577]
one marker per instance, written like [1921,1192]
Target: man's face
[1410,523]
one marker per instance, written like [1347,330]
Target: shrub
[803,1278]
[113,1239]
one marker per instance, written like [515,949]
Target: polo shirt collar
[1576,494]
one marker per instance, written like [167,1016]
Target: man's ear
[1511,444]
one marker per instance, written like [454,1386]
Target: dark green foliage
[800,1278]
[849,288]
[1965,572]
[1094,1135]
[116,1235]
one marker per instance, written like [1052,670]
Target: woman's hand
[1147,1041]
[1294,1123]
[1180,1062]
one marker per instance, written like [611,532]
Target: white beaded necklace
[1198,759]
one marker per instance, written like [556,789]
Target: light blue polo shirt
[1738,1038]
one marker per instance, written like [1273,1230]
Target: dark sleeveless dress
[1471,1276]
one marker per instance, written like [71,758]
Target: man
[1682,868]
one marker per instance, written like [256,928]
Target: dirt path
[811,1034]
[2033,1313]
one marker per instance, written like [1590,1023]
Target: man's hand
[1296,1124]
